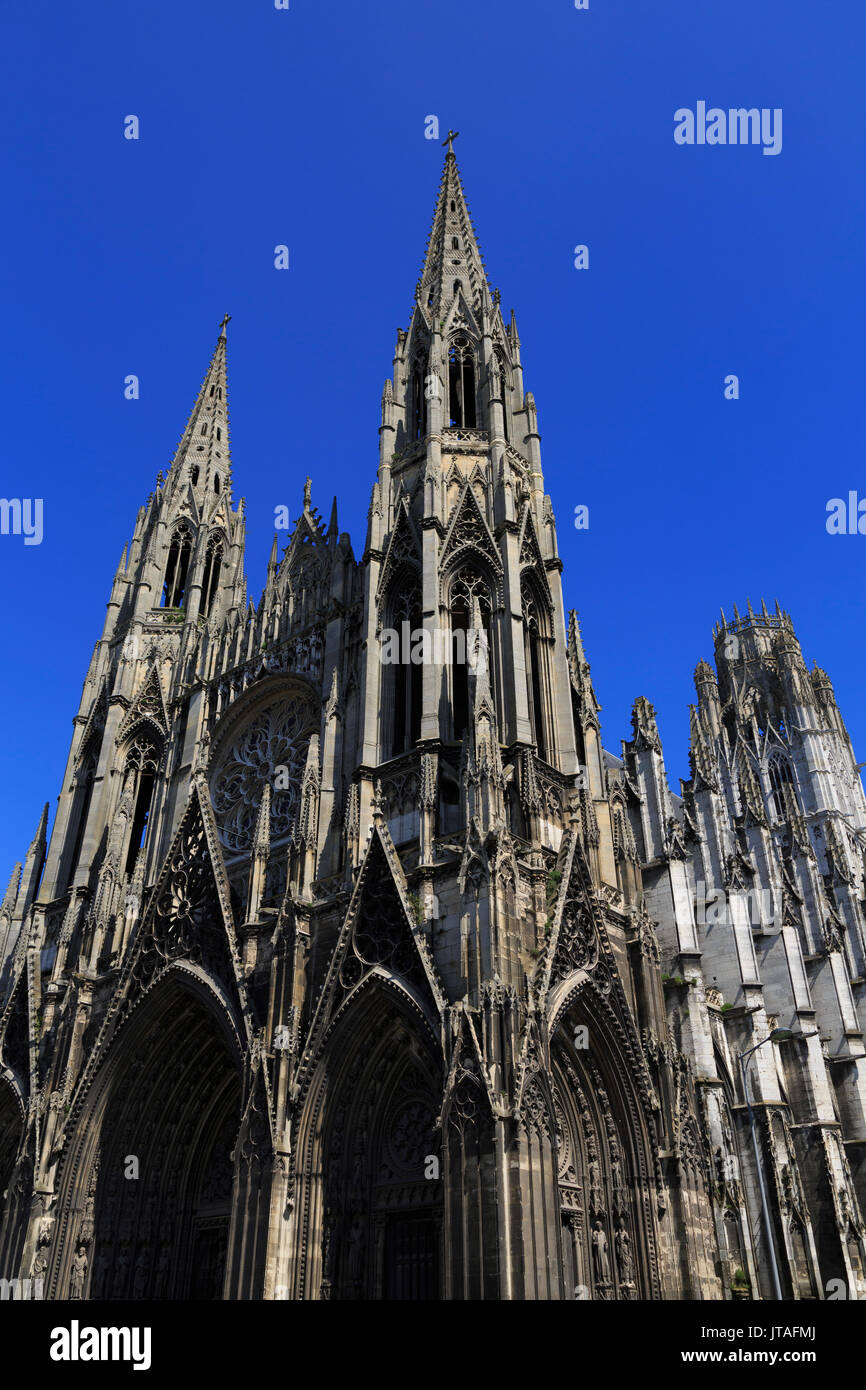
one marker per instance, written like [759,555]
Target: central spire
[453,264]
[202,456]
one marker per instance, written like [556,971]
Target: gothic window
[461,384]
[195,475]
[402,705]
[458,286]
[467,585]
[216,482]
[84,779]
[139,778]
[419,400]
[211,577]
[453,205]
[219,432]
[536,671]
[620,843]
[179,552]
[204,429]
[271,747]
[505,391]
[753,708]
[780,774]
[455,243]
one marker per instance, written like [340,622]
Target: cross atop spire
[227,318]
[449,140]
[453,264]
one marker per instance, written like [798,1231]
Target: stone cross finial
[227,318]
[449,140]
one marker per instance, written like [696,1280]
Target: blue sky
[306,127]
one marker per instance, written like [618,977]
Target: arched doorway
[150,1202]
[381,1189]
[602,1216]
[11,1129]
[11,1122]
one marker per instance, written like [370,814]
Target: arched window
[536,668]
[466,586]
[455,243]
[195,475]
[505,390]
[139,777]
[216,482]
[453,205]
[179,552]
[780,775]
[84,779]
[419,400]
[404,694]
[461,384]
[211,577]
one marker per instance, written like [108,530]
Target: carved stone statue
[79,1274]
[599,1254]
[355,1253]
[624,1259]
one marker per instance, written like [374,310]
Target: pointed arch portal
[154,1189]
[372,1126]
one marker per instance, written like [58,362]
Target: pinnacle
[450,269]
[202,458]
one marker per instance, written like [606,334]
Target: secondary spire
[202,457]
[453,264]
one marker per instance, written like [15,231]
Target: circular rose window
[270,747]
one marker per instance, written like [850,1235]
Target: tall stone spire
[204,444]
[453,256]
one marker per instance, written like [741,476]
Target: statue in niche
[599,1254]
[79,1274]
[596,1195]
[624,1259]
[354,1254]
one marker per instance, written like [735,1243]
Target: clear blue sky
[306,127]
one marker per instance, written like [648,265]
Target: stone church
[345,978]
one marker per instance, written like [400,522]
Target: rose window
[271,748]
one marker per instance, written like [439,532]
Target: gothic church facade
[351,979]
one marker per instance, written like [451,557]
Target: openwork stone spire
[203,452]
[453,256]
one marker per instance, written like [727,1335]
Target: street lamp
[777,1035]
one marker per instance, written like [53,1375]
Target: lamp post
[777,1035]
